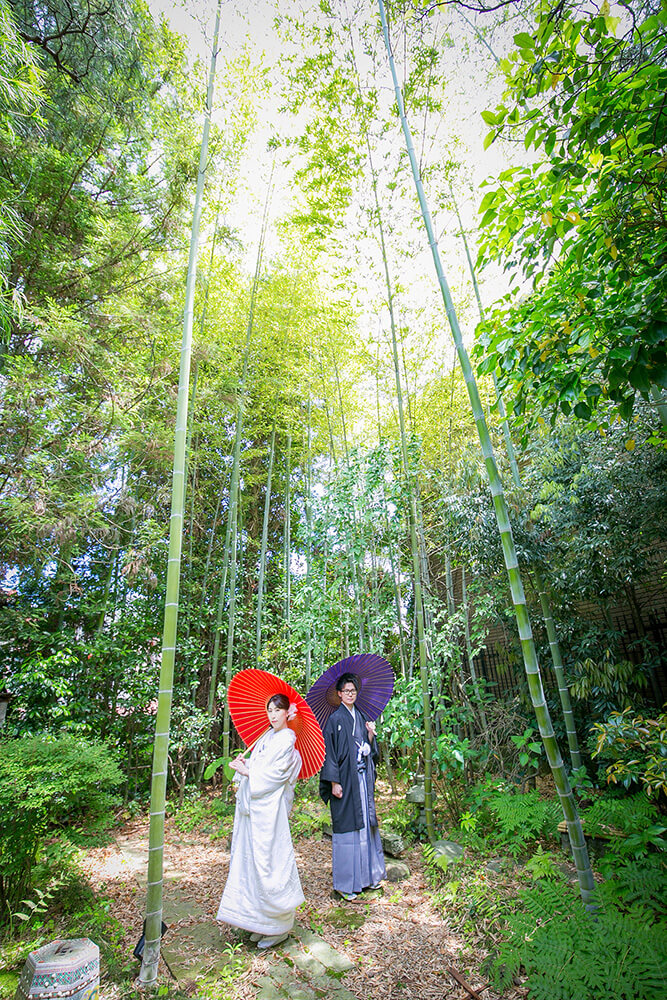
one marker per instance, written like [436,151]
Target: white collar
[350,709]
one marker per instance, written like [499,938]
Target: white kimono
[263,888]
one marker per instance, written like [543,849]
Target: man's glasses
[348,690]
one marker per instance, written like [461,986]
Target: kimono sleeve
[330,769]
[277,768]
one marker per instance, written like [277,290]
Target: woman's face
[277,716]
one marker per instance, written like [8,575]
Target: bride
[263,888]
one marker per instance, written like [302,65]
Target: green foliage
[403,818]
[453,759]
[62,904]
[634,883]
[45,780]
[571,954]
[636,817]
[627,814]
[586,221]
[637,747]
[605,682]
[517,819]
[401,722]
[222,985]
[307,821]
[21,95]
[474,901]
[542,864]
[530,749]
[209,816]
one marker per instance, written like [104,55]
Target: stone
[392,843]
[322,951]
[269,990]
[330,989]
[303,960]
[448,849]
[300,992]
[416,794]
[495,866]
[397,871]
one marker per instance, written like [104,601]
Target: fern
[522,818]
[628,815]
[570,954]
[630,882]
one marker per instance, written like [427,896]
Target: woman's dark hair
[279,700]
[347,679]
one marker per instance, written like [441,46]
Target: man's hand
[370,726]
[336,790]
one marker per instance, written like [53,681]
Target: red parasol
[250,690]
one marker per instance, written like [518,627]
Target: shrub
[45,780]
[637,747]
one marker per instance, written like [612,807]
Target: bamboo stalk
[545,603]
[309,544]
[287,537]
[231,622]
[151,955]
[263,547]
[579,850]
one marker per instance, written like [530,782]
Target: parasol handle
[251,746]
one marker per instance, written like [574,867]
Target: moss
[342,916]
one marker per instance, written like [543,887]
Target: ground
[390,944]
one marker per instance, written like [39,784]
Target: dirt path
[389,944]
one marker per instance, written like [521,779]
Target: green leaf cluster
[637,748]
[617,952]
[519,818]
[43,780]
[586,222]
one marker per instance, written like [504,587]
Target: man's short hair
[347,678]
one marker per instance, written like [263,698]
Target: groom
[347,783]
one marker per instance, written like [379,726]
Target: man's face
[348,694]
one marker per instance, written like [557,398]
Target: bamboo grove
[260,442]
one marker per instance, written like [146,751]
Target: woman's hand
[336,790]
[240,764]
[370,726]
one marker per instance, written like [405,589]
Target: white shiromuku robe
[263,888]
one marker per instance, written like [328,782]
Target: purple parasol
[377,686]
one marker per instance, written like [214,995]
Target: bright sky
[473,86]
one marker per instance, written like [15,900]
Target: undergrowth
[619,952]
[634,816]
[403,818]
[70,909]
[212,816]
[530,918]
